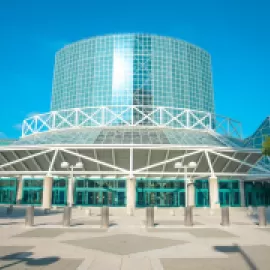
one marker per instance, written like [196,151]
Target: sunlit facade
[133,69]
[128,108]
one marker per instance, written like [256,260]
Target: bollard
[47,211]
[262,216]
[105,217]
[88,211]
[67,216]
[189,216]
[150,217]
[29,216]
[10,210]
[225,216]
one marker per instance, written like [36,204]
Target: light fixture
[192,164]
[178,165]
[64,165]
[78,165]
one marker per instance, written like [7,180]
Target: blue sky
[235,32]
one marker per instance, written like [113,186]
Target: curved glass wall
[132,69]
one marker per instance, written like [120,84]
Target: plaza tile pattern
[52,232]
[124,244]
[240,258]
[202,232]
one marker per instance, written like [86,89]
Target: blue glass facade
[132,69]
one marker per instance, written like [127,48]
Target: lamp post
[66,165]
[191,165]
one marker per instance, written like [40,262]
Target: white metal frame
[121,115]
[157,169]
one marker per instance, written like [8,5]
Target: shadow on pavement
[23,257]
[237,250]
[19,212]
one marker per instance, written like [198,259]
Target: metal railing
[130,116]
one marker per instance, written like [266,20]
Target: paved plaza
[127,244]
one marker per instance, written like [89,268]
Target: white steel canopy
[124,160]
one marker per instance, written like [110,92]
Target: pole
[186,197]
[70,190]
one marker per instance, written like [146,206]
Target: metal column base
[262,216]
[105,217]
[225,216]
[150,217]
[189,216]
[67,216]
[29,216]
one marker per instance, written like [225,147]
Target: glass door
[257,194]
[98,192]
[160,193]
[201,193]
[59,191]
[32,191]
[229,193]
[8,190]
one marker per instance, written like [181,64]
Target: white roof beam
[25,158]
[95,160]
[167,161]
[239,161]
[209,164]
[5,160]
[35,161]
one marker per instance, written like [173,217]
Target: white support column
[47,192]
[213,192]
[131,195]
[191,194]
[242,193]
[19,194]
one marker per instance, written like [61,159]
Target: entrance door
[59,197]
[59,191]
[201,193]
[32,196]
[7,196]
[202,198]
[225,198]
[8,187]
[229,193]
[256,194]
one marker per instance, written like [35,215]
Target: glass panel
[100,192]
[224,185]
[235,185]
[79,198]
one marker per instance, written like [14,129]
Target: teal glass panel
[257,194]
[160,193]
[32,191]
[8,188]
[229,193]
[201,193]
[59,191]
[99,192]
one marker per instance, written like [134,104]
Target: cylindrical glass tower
[133,69]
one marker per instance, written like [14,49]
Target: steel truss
[131,115]
[130,161]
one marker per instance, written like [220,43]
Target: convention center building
[133,124]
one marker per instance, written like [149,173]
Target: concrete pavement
[127,244]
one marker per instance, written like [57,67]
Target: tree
[266,146]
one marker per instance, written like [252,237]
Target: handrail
[131,115]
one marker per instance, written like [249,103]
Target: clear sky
[235,32]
